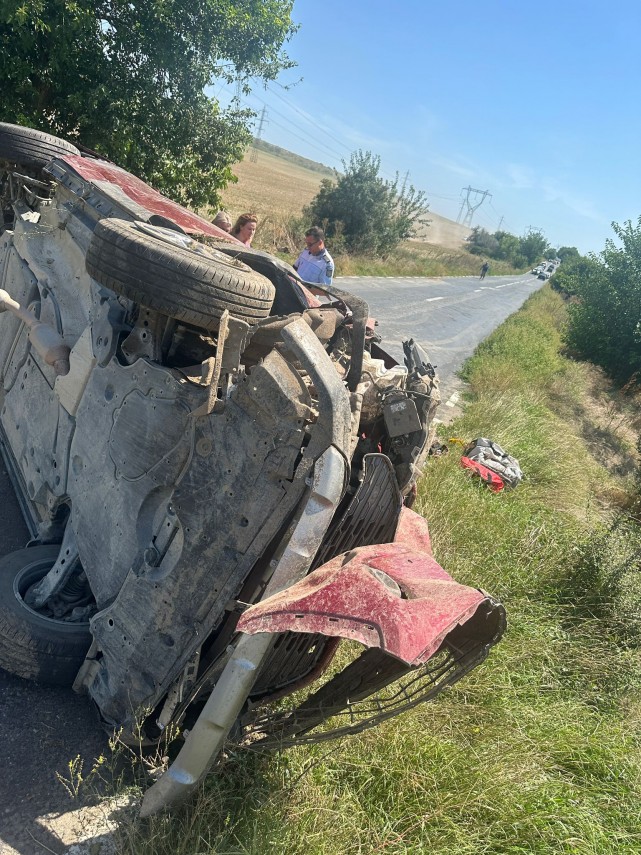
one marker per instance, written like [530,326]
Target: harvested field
[276,189]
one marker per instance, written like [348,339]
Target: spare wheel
[175,275]
[28,147]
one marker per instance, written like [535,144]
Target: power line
[302,113]
[320,127]
[318,144]
[314,142]
[437,196]
[308,118]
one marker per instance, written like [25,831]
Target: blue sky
[537,102]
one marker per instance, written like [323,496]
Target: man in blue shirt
[315,264]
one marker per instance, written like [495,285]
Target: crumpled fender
[394,596]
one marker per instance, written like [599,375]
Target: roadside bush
[569,276]
[363,213]
[605,321]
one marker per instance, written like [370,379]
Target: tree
[481,242]
[520,252]
[509,247]
[533,246]
[362,212]
[127,79]
[605,319]
[568,253]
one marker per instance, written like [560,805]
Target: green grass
[539,749]
[415,258]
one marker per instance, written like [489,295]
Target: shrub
[361,212]
[605,321]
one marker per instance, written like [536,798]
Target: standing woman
[245,228]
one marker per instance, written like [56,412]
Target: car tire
[31,148]
[32,645]
[288,299]
[175,275]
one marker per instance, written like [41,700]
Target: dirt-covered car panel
[116,192]
[393,596]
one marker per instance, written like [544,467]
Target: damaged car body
[216,463]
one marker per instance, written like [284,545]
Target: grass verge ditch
[539,750]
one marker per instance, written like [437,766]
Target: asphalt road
[448,317]
[43,728]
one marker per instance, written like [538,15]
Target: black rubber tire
[194,285]
[288,298]
[28,147]
[31,645]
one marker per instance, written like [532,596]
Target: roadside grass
[539,749]
[411,258]
[418,258]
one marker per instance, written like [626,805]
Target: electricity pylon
[467,219]
[254,155]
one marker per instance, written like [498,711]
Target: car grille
[369,518]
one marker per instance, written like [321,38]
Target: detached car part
[215,461]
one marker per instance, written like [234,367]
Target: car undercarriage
[217,463]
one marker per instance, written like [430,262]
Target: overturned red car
[216,462]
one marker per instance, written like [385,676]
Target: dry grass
[272,188]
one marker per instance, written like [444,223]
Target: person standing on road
[245,228]
[484,270]
[315,264]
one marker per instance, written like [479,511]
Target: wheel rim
[28,576]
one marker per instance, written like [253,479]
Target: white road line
[431,299]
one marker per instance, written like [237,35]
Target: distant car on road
[546,272]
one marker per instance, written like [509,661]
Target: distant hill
[298,159]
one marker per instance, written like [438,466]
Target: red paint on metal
[346,598]
[312,301]
[413,530]
[142,194]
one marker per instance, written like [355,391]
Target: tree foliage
[362,212]
[534,246]
[568,253]
[605,318]
[127,79]
[481,242]
[519,251]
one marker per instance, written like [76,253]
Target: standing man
[484,270]
[315,264]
